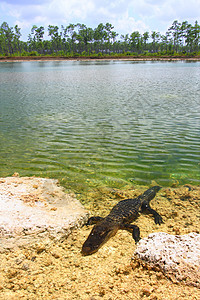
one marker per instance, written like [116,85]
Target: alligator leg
[147,208]
[134,229]
[94,220]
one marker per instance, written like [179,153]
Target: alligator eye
[102,233]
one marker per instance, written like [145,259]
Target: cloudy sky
[125,15]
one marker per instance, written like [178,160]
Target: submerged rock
[33,209]
[178,256]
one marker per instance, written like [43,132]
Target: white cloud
[23,2]
[127,24]
[126,16]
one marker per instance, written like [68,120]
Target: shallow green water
[95,124]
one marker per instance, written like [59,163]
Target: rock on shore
[178,256]
[36,208]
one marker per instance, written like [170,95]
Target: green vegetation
[77,40]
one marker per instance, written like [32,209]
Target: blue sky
[126,16]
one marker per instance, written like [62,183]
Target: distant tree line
[78,39]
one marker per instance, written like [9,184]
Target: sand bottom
[57,270]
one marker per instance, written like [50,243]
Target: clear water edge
[111,124]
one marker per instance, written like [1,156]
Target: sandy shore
[57,270]
[126,58]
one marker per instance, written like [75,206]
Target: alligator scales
[120,217]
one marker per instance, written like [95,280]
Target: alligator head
[100,233]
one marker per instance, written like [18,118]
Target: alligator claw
[136,233]
[158,219]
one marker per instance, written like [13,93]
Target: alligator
[120,217]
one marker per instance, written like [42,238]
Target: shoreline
[128,58]
[57,269]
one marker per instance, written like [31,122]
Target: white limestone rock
[36,208]
[178,256]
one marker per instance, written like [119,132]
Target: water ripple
[101,123]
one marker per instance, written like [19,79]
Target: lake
[101,123]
